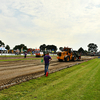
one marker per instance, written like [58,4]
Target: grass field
[80,82]
[22,57]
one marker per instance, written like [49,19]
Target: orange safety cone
[46,74]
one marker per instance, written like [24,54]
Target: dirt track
[13,72]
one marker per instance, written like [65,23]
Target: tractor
[68,55]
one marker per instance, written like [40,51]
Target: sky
[72,23]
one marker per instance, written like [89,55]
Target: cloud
[63,23]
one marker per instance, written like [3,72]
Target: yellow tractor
[68,55]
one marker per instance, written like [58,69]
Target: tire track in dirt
[17,72]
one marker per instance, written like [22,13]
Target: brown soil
[13,72]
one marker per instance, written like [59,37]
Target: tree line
[48,48]
[91,47]
[3,44]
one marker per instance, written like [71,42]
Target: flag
[41,60]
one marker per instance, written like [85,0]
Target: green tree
[92,47]
[7,47]
[20,47]
[51,47]
[81,50]
[61,48]
[54,47]
[42,47]
[48,47]
[2,44]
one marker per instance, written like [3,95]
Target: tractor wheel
[74,58]
[60,60]
[67,59]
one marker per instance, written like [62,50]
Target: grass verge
[23,58]
[20,59]
[80,82]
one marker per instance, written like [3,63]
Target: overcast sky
[72,23]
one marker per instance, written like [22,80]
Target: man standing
[25,55]
[47,58]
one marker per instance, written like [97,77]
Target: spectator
[25,55]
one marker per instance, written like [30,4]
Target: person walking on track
[25,55]
[47,58]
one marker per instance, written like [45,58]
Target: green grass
[15,55]
[21,55]
[24,59]
[21,58]
[80,82]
